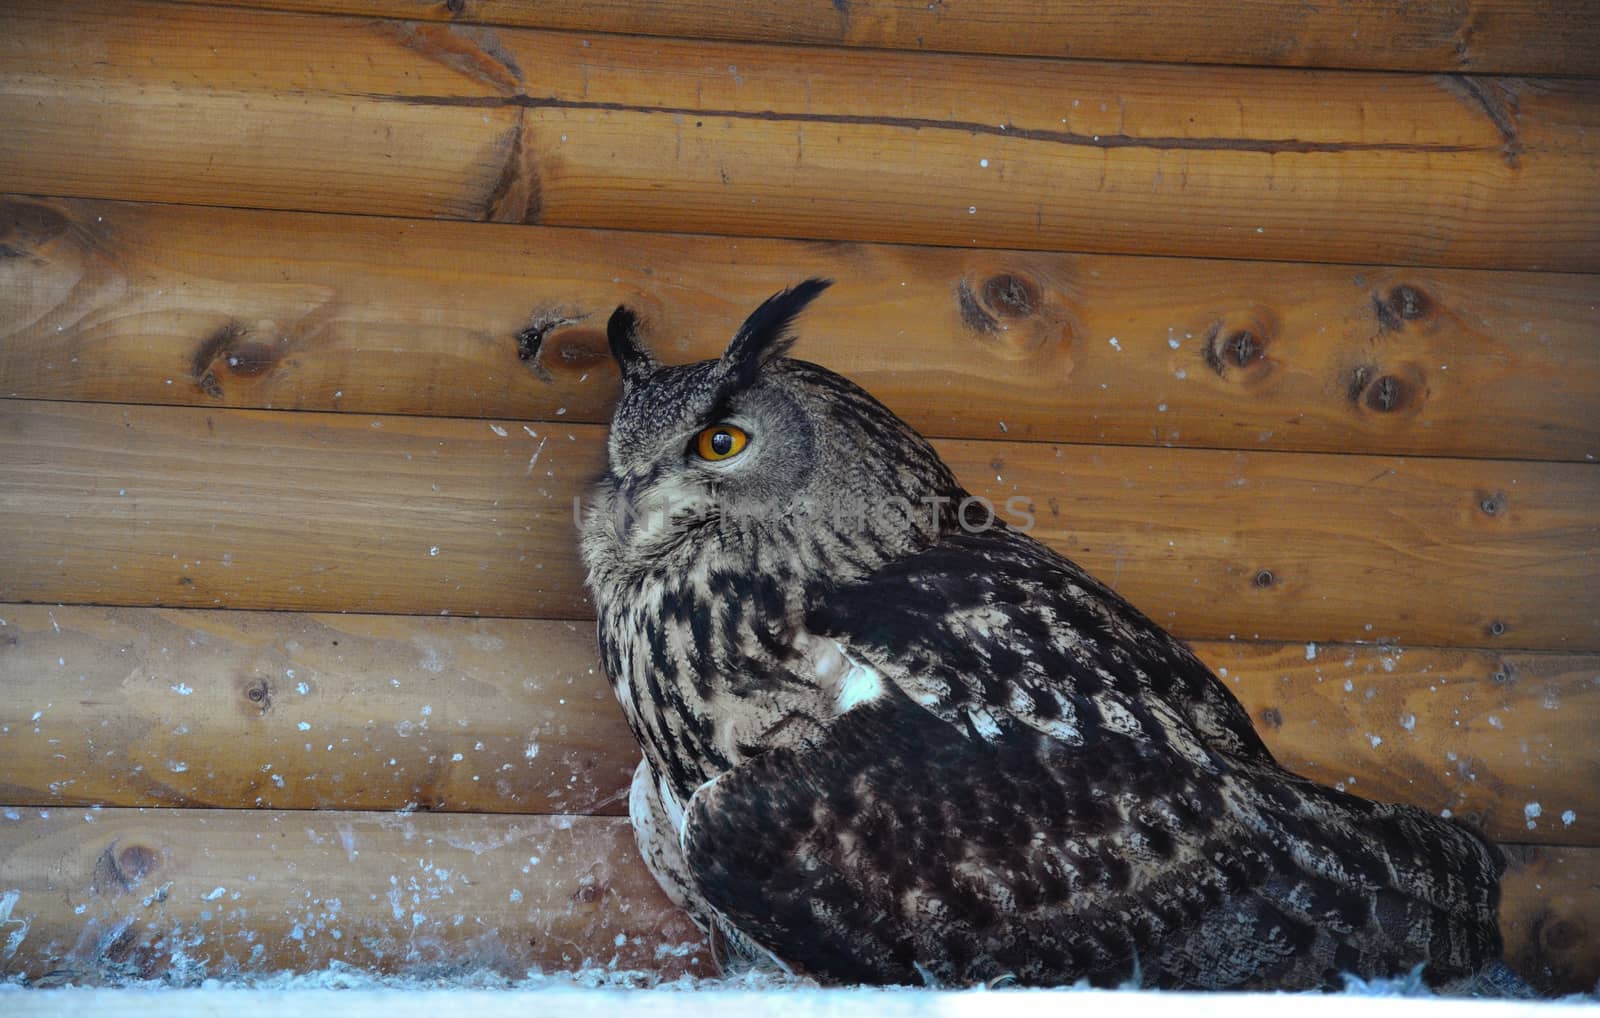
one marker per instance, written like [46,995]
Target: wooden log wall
[302,367]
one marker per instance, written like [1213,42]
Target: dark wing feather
[998,623]
[1053,789]
[902,850]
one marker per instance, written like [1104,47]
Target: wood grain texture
[281,710]
[111,894]
[177,103]
[145,707]
[422,892]
[120,302]
[342,512]
[1550,917]
[1489,36]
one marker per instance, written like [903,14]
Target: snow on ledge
[225,1002]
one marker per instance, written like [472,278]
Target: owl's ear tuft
[765,334]
[633,359]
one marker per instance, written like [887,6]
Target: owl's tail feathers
[1405,887]
[1495,981]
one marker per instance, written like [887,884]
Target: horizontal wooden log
[143,707]
[343,512]
[134,303]
[280,710]
[1492,36]
[103,895]
[209,106]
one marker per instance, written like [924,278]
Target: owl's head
[755,446]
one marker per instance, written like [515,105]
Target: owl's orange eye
[721,442]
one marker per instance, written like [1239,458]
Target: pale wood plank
[282,710]
[167,304]
[1490,36]
[118,893]
[193,104]
[145,707]
[143,880]
[343,512]
[1550,915]
[1487,737]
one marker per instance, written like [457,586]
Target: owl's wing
[985,628]
[900,849]
[1048,787]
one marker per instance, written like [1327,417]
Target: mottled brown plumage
[884,745]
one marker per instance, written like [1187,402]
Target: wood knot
[1237,346]
[587,896]
[1492,505]
[1011,295]
[259,692]
[1272,717]
[1560,935]
[1399,391]
[26,226]
[226,350]
[1018,317]
[1403,303]
[1409,302]
[118,872]
[580,350]
[1388,393]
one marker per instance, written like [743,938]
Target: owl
[888,738]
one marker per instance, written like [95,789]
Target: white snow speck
[433,552]
[1174,343]
[177,766]
[1311,652]
[498,430]
[215,894]
[302,688]
[1376,740]
[183,689]
[1531,812]
[984,163]
[304,726]
[455,757]
[1114,344]
[622,938]
[972,210]
[515,896]
[1568,818]
[1408,722]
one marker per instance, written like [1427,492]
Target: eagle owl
[889,741]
